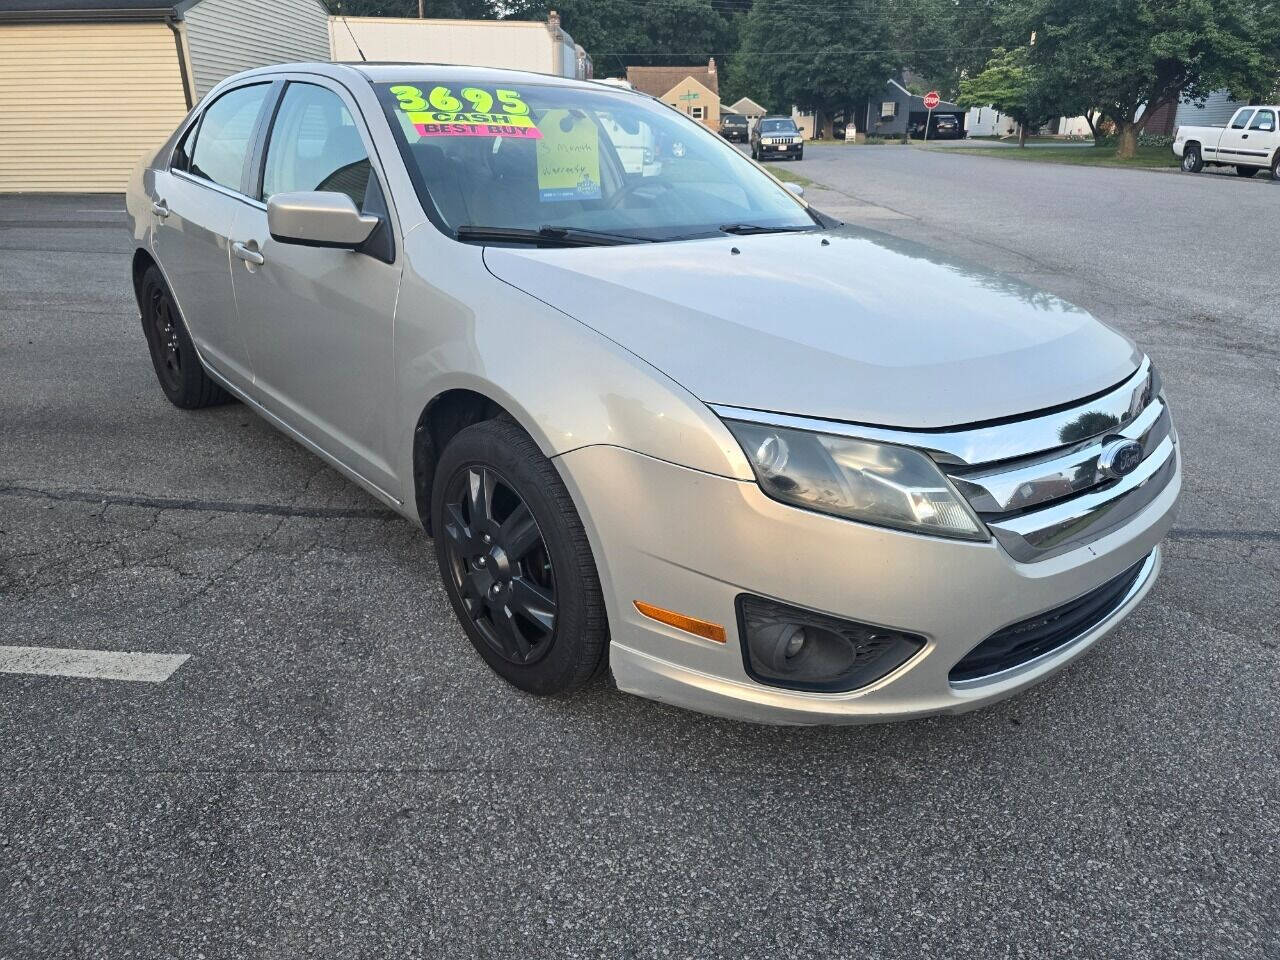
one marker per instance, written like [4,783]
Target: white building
[541,47]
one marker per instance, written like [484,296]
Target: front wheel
[515,560]
[1246,171]
[1192,162]
[1275,166]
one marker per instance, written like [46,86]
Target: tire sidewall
[1196,163]
[153,282]
[490,444]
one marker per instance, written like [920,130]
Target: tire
[800,155]
[1246,171]
[1192,161]
[528,596]
[1275,166]
[182,378]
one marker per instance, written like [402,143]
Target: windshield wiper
[547,235]
[743,229]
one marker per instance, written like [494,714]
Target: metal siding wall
[1217,110]
[514,44]
[81,103]
[227,36]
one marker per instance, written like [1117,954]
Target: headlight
[870,482]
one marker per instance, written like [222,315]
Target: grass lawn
[1146,157]
[779,170]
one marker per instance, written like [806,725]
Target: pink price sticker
[477,130]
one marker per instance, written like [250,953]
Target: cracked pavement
[334,773]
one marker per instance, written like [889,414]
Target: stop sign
[931,99]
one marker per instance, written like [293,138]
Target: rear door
[195,202]
[318,321]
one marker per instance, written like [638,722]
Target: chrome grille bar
[1024,484]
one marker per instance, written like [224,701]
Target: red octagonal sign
[931,99]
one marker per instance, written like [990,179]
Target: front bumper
[780,149]
[692,542]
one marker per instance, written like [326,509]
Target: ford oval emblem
[1119,458]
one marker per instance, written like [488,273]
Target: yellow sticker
[471,113]
[568,157]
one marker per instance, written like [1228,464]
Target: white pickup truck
[1250,142]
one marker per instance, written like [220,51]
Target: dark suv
[734,126]
[776,137]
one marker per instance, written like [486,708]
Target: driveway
[333,772]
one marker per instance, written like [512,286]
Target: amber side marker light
[699,628]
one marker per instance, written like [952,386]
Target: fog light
[787,646]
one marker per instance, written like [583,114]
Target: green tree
[1011,84]
[1129,58]
[822,59]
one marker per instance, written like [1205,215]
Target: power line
[780,53]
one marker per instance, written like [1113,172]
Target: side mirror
[795,188]
[318,219]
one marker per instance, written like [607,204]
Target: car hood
[847,324]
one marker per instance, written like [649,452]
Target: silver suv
[663,417]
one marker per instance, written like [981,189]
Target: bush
[1144,140]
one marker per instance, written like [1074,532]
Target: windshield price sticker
[439,113]
[568,158]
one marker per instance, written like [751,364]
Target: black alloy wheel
[162,336]
[515,560]
[500,565]
[178,369]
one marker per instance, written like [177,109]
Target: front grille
[1050,486]
[1036,636]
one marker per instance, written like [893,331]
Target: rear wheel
[1275,166]
[1246,171]
[1192,162]
[173,355]
[515,560]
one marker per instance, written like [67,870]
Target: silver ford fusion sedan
[658,413]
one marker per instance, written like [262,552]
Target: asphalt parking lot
[334,773]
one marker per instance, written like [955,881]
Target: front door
[1234,140]
[194,205]
[1263,137]
[318,320]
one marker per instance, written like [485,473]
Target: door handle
[247,253]
[1244,136]
[160,209]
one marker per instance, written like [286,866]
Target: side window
[1263,120]
[1241,120]
[315,145]
[181,158]
[223,140]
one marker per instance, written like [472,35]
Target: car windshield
[569,162]
[735,121]
[777,126]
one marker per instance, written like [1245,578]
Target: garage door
[80,103]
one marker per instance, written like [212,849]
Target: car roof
[391,71]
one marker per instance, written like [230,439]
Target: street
[333,772]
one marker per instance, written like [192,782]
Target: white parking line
[92,664]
